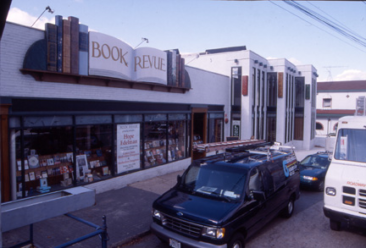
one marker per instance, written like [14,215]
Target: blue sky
[271,29]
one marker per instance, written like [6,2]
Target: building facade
[271,99]
[92,111]
[335,100]
[71,129]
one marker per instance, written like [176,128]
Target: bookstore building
[82,108]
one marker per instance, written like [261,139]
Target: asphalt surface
[127,211]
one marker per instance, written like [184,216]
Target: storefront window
[155,140]
[93,160]
[45,157]
[177,134]
[50,153]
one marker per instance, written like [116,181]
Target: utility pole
[328,68]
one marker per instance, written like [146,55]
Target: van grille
[181,226]
[362,203]
[350,201]
[349,190]
[363,192]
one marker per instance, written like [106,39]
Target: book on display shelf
[44,174]
[32,176]
[105,171]
[50,162]
[99,153]
[94,164]
[64,169]
[57,159]
[38,174]
[33,161]
[70,156]
[87,153]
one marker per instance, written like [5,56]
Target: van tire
[335,225]
[289,209]
[237,241]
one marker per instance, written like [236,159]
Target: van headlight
[330,191]
[213,232]
[156,214]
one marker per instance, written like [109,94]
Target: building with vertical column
[271,99]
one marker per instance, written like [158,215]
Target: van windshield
[351,145]
[214,180]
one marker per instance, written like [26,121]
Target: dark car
[222,200]
[313,169]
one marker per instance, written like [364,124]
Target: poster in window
[343,148]
[128,147]
[81,166]
[236,128]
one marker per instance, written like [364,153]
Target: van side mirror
[259,196]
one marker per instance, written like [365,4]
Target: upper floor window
[319,126]
[327,102]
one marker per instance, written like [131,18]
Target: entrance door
[199,128]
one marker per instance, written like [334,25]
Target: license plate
[173,243]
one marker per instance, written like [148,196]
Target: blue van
[221,200]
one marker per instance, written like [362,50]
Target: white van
[345,181]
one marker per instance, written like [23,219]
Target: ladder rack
[217,146]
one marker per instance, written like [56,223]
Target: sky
[272,29]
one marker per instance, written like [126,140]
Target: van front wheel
[289,209]
[237,241]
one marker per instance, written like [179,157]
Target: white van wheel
[335,225]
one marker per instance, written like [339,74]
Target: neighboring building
[335,100]
[271,99]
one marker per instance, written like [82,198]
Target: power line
[349,34]
[316,26]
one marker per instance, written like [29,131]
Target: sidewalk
[128,212]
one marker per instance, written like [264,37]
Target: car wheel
[335,225]
[321,186]
[289,209]
[237,241]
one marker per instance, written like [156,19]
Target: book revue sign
[109,56]
[70,48]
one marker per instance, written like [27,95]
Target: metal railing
[99,230]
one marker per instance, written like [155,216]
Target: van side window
[255,182]
[277,173]
[267,181]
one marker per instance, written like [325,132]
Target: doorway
[199,128]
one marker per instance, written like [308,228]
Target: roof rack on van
[217,146]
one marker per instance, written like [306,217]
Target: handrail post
[104,233]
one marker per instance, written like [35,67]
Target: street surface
[308,227]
